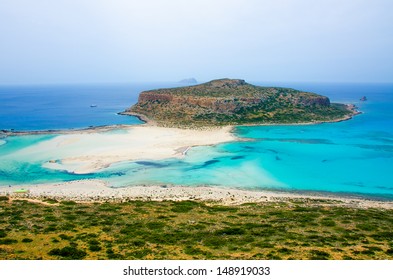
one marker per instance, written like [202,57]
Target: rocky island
[235,102]
[189,81]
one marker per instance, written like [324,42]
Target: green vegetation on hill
[295,229]
[225,101]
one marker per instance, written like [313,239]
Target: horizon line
[87,83]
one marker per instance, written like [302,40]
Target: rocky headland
[235,102]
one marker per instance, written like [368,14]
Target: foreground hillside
[293,229]
[229,102]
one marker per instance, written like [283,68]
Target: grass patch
[193,230]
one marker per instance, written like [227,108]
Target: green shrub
[328,223]
[95,248]
[184,206]
[68,253]
[68,226]
[230,231]
[215,242]
[50,200]
[284,250]
[138,243]
[190,250]
[27,240]
[50,228]
[69,202]
[155,225]
[319,255]
[8,241]
[384,235]
[94,242]
[50,218]
[218,208]
[366,227]
[139,254]
[65,237]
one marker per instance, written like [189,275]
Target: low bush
[27,240]
[8,241]
[319,255]
[68,253]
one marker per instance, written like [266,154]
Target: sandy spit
[83,152]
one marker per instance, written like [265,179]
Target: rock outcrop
[233,101]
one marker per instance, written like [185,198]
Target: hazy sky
[83,41]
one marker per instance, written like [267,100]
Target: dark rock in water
[278,158]
[248,148]
[118,174]
[237,157]
[273,151]
[149,163]
[364,98]
[205,164]
[210,162]
[325,160]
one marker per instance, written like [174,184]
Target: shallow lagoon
[354,156]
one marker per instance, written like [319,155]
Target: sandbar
[88,152]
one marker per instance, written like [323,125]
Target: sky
[125,41]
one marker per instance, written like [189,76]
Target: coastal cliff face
[227,101]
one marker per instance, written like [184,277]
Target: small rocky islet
[235,102]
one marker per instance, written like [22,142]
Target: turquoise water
[352,157]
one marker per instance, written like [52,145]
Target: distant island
[235,102]
[189,81]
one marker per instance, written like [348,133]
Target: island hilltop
[235,102]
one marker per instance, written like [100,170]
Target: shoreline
[101,128]
[148,122]
[351,107]
[163,146]
[90,191]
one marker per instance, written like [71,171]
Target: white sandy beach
[86,152]
[97,191]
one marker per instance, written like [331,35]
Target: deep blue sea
[67,106]
[351,157]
